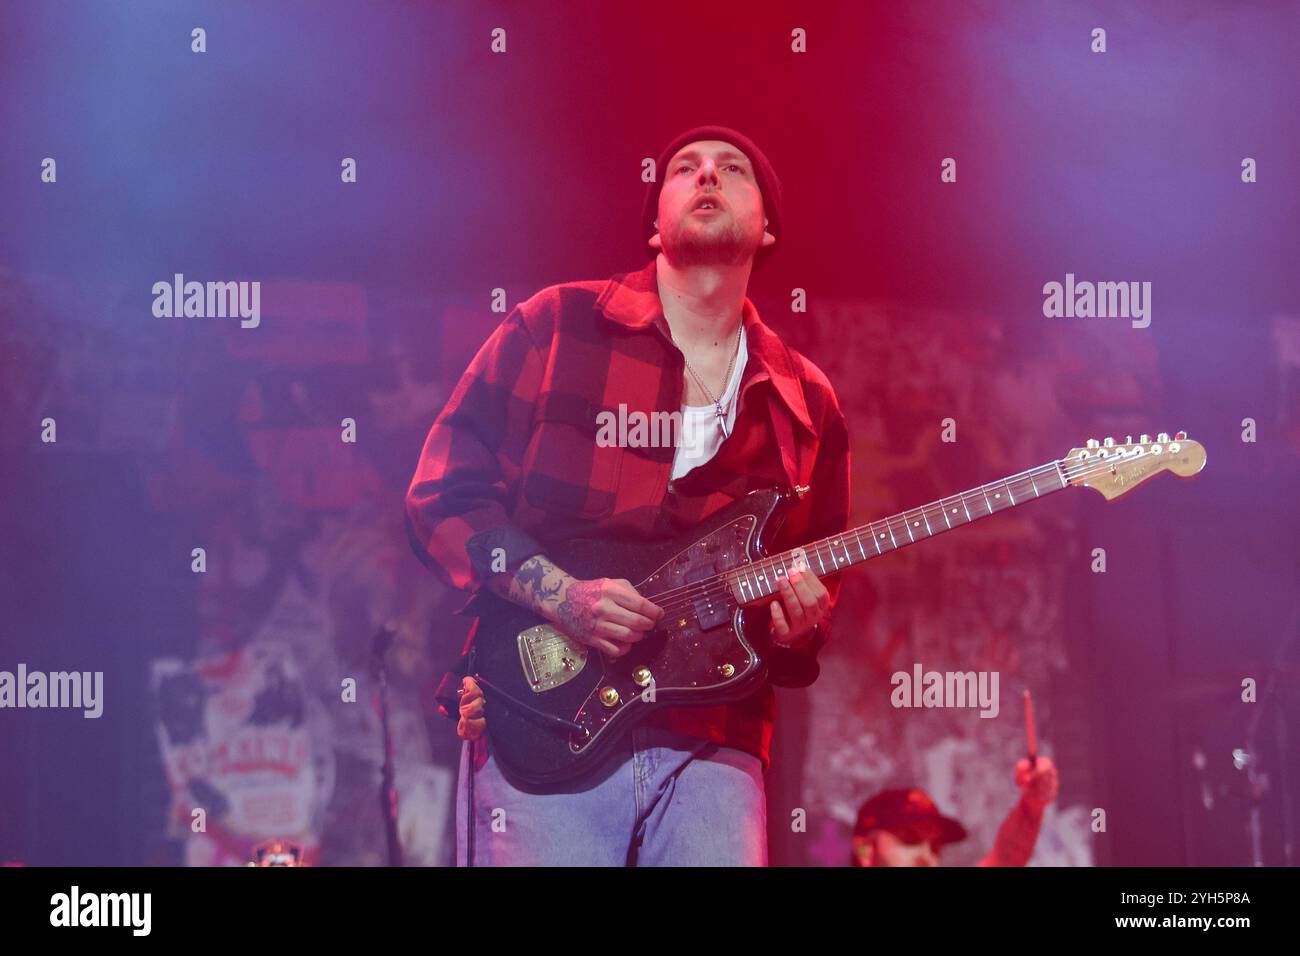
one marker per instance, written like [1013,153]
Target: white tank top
[701,434]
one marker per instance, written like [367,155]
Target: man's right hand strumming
[605,613]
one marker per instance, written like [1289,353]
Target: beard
[712,245]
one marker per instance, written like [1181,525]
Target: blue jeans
[663,799]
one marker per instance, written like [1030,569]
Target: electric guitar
[556,707]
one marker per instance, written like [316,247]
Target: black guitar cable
[552,722]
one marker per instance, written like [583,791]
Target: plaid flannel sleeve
[831,505]
[456,504]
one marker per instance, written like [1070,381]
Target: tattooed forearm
[531,579]
[536,585]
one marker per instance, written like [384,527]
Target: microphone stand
[383,640]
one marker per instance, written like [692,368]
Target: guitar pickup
[712,611]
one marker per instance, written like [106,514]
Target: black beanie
[768,183]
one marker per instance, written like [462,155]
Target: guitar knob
[1163,438]
[1144,440]
[1093,443]
[1108,442]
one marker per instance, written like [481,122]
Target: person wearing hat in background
[511,465]
[904,827]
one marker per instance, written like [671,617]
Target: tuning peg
[1128,439]
[1180,436]
[1108,442]
[1144,440]
[1093,443]
[1163,438]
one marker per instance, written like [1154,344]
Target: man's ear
[654,242]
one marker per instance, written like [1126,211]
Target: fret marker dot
[999,495]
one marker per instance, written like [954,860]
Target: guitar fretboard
[832,554]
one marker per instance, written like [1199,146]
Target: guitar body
[556,708]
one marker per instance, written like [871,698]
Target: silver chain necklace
[717,402]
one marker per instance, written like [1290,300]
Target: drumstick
[1031,736]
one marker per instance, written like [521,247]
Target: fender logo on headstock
[1136,472]
[1114,469]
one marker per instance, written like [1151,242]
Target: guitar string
[707,583]
[718,586]
[682,598]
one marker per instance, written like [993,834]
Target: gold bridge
[549,657]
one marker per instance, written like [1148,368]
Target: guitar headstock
[1113,469]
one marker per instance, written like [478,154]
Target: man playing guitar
[517,462]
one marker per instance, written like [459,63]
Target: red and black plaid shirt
[512,461]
